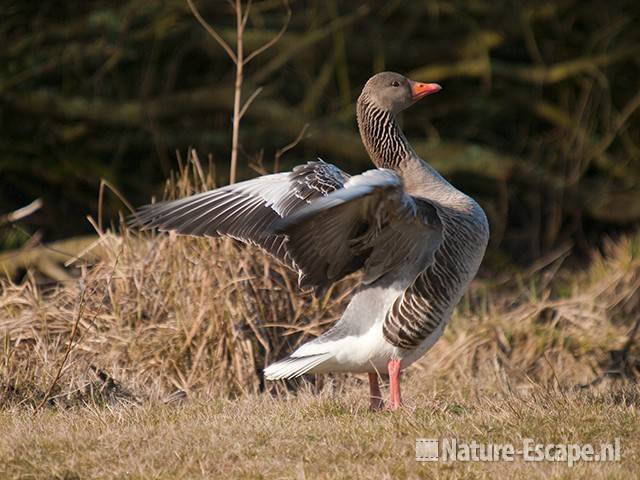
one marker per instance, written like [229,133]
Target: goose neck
[381,135]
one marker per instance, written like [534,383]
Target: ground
[327,435]
[122,375]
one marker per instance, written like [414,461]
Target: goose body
[417,239]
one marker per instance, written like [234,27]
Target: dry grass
[327,436]
[163,378]
[163,316]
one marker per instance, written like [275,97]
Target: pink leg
[395,401]
[374,393]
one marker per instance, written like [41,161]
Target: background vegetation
[537,118]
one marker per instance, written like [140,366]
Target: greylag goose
[417,240]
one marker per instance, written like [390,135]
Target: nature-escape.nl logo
[530,450]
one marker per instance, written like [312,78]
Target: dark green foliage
[537,118]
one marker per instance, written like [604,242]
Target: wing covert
[371,223]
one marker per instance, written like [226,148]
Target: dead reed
[161,317]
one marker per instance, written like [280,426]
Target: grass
[331,435]
[167,337]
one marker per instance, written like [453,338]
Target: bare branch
[212,32]
[307,41]
[21,212]
[620,122]
[74,330]
[548,74]
[286,148]
[245,17]
[249,100]
[237,93]
[72,337]
[275,39]
[105,183]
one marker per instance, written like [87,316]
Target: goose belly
[370,352]
[357,342]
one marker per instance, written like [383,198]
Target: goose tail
[292,367]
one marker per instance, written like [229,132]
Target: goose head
[394,92]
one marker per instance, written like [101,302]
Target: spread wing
[247,210]
[370,223]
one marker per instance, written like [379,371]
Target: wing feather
[315,219]
[246,210]
[371,223]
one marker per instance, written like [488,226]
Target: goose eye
[395,83]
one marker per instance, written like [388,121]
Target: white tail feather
[292,367]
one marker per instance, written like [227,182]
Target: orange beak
[419,90]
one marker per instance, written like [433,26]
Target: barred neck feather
[382,137]
[388,147]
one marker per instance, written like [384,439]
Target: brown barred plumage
[424,305]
